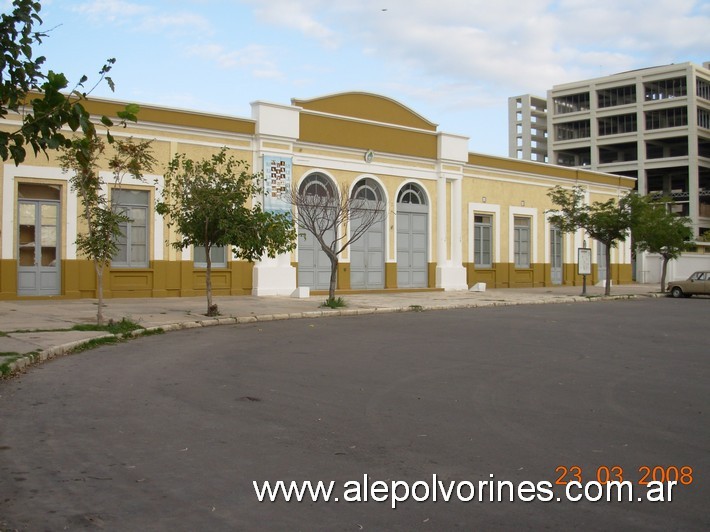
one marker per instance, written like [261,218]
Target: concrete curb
[21,364]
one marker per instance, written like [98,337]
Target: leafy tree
[40,99]
[656,230]
[81,157]
[328,216]
[607,222]
[207,201]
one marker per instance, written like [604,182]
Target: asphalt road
[169,432]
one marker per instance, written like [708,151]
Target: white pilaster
[278,124]
[450,273]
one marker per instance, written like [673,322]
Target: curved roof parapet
[367,106]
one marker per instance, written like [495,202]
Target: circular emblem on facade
[369,155]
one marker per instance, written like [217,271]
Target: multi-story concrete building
[527,128]
[651,124]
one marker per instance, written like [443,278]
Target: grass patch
[334,302]
[96,342]
[6,359]
[114,327]
[416,308]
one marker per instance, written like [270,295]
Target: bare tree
[335,220]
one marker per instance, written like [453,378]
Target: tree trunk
[99,267]
[607,287]
[333,277]
[664,269]
[212,310]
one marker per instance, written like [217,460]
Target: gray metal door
[38,272]
[367,257]
[556,256]
[313,263]
[601,261]
[412,269]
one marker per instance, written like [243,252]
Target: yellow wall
[337,130]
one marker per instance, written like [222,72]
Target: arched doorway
[412,237]
[367,254]
[313,264]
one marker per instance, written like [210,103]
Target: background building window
[521,238]
[217,253]
[482,240]
[133,243]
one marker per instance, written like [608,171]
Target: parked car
[698,283]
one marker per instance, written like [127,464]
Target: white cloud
[255,58]
[301,15]
[519,46]
[111,10]
[142,17]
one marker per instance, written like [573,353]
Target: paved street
[168,432]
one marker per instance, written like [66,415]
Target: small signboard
[584,261]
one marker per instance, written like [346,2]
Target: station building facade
[453,218]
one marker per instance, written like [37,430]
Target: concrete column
[456,223]
[450,273]
[441,210]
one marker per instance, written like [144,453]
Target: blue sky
[455,62]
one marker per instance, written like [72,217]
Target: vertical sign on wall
[277,183]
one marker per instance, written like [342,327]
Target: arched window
[367,189]
[411,194]
[317,185]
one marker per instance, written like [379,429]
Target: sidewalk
[33,331]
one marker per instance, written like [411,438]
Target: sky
[455,62]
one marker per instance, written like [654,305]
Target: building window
[616,96]
[666,88]
[133,242]
[572,103]
[614,125]
[217,253]
[704,118]
[521,239]
[482,240]
[573,130]
[703,89]
[663,118]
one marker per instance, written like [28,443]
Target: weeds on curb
[334,302]
[126,325]
[416,308]
[6,359]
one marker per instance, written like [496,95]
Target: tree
[40,99]
[81,157]
[207,200]
[655,229]
[608,222]
[335,220]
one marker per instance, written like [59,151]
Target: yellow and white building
[453,218]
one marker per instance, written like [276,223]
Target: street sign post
[584,265]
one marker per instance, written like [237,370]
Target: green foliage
[334,302]
[43,101]
[655,229]
[81,158]
[122,327]
[207,202]
[606,221]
